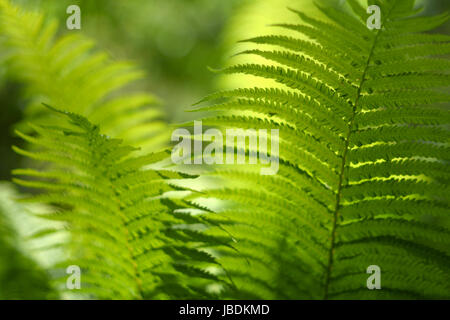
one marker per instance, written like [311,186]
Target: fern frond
[364,158]
[125,236]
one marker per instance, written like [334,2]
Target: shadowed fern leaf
[364,160]
[126,237]
[20,276]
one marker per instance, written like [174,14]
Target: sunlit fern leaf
[68,71]
[125,236]
[364,160]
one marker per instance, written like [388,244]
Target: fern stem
[344,159]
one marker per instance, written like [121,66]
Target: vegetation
[363,117]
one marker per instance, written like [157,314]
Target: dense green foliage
[364,151]
[127,239]
[363,176]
